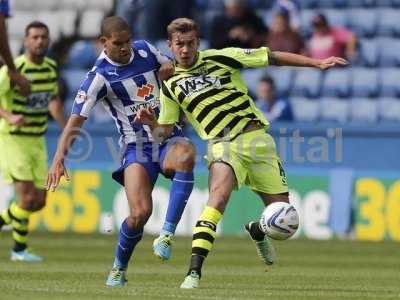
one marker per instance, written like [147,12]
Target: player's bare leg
[138,191]
[178,163]
[222,180]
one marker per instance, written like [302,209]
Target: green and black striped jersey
[34,107]
[212,94]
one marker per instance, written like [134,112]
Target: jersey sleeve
[4,81]
[5,8]
[169,108]
[92,90]
[161,58]
[238,58]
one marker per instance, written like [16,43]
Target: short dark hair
[182,25]
[113,24]
[268,79]
[35,24]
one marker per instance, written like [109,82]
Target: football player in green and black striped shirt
[208,88]
[23,123]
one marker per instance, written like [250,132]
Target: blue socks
[182,186]
[128,238]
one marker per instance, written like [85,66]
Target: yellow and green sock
[203,237]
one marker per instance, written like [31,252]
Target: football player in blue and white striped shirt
[125,78]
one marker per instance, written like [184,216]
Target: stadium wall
[355,193]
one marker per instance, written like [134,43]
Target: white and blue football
[279,220]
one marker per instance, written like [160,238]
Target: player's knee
[29,201]
[139,218]
[184,157]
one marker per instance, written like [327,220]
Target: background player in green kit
[208,88]
[23,154]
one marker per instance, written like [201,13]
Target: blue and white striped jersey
[124,89]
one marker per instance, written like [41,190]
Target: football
[279,220]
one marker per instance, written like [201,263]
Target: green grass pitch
[76,267]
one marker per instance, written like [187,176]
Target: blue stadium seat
[389,52]
[389,22]
[390,78]
[332,3]
[335,109]
[82,55]
[364,110]
[365,82]
[251,77]
[309,4]
[305,109]
[369,52]
[389,109]
[363,21]
[307,83]
[363,3]
[283,78]
[336,83]
[336,17]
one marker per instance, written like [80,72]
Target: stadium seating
[365,82]
[307,83]
[389,22]
[390,50]
[364,110]
[389,109]
[82,55]
[363,21]
[251,77]
[368,52]
[390,82]
[372,80]
[337,17]
[335,109]
[336,83]
[74,79]
[283,78]
[90,23]
[305,109]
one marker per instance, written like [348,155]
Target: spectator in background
[329,41]
[282,37]
[273,107]
[292,8]
[237,27]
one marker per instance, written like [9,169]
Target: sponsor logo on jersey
[248,51]
[145,90]
[39,100]
[195,84]
[134,108]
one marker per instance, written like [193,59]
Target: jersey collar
[103,54]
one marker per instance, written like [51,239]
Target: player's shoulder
[20,61]
[218,52]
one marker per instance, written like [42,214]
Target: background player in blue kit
[124,79]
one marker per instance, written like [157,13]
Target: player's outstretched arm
[160,132]
[57,168]
[279,58]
